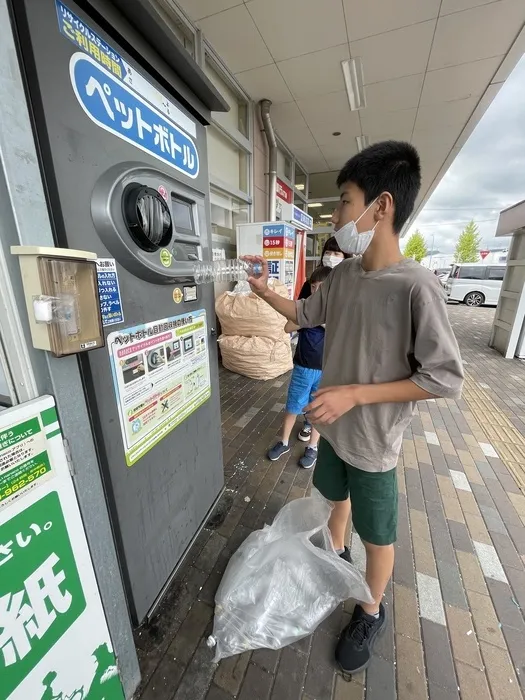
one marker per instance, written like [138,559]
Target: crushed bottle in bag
[282,582]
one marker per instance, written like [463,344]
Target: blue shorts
[303,385]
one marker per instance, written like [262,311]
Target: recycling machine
[119,115]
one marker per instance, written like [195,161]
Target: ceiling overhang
[431,68]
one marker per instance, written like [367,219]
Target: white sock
[313,447]
[339,551]
[285,442]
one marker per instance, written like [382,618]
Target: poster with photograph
[161,375]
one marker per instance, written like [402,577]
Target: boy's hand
[259,285]
[331,403]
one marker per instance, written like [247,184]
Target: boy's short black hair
[320,274]
[389,166]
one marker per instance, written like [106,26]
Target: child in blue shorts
[306,375]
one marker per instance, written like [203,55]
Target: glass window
[472,273]
[300,180]
[178,26]
[299,203]
[227,161]
[311,245]
[322,185]
[226,212]
[237,118]
[315,243]
[284,165]
[322,213]
[5,392]
[496,273]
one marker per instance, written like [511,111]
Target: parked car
[443,273]
[475,284]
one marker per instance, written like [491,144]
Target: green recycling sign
[54,640]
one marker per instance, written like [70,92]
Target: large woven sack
[248,315]
[256,357]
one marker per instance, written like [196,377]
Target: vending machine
[122,143]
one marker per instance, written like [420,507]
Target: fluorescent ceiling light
[325,216]
[362,142]
[355,89]
[299,187]
[315,204]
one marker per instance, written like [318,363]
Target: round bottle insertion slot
[147,217]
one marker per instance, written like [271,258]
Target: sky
[487,176]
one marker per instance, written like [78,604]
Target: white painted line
[430,601]
[358,552]
[460,480]
[490,562]
[488,450]
[432,438]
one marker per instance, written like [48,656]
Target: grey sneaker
[309,458]
[278,451]
[306,433]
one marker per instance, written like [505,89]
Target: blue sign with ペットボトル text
[114,107]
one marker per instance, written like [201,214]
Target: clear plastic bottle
[225,271]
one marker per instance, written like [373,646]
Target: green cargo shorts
[373,495]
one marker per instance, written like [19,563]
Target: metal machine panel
[90,162]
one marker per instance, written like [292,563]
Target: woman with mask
[331,256]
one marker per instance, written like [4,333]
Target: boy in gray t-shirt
[388,344]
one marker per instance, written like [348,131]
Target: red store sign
[284,192]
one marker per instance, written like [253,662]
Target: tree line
[467,247]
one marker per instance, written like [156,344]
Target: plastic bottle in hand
[225,271]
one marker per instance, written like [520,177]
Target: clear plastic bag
[283,581]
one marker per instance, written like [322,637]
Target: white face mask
[331,260]
[350,240]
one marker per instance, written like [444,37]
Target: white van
[475,284]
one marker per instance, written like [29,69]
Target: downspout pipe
[266,120]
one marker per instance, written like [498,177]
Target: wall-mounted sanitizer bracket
[61,291]
[152,224]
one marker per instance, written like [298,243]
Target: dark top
[310,345]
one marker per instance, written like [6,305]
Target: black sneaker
[355,647]
[277,451]
[346,555]
[306,433]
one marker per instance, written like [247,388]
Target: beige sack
[248,315]
[257,358]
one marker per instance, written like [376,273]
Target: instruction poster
[109,292]
[54,640]
[24,461]
[161,374]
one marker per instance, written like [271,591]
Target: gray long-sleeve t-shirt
[382,326]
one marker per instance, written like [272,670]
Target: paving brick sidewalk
[457,600]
